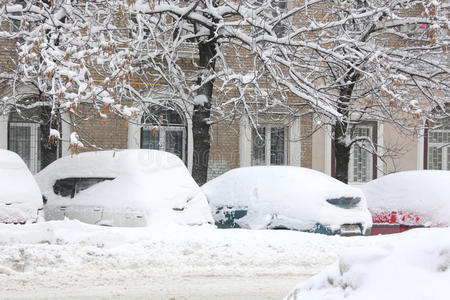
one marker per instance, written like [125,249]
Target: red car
[406,200]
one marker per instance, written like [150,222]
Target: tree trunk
[202,112]
[341,152]
[341,149]
[48,150]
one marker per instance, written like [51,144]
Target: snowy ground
[414,265]
[75,260]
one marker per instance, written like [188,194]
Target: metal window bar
[24,139]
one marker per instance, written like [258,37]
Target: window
[28,136]
[164,128]
[439,148]
[361,158]
[269,146]
[414,29]
[276,6]
[363,161]
[23,138]
[69,187]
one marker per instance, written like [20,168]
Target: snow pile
[68,246]
[155,182]
[285,196]
[414,265]
[424,194]
[20,197]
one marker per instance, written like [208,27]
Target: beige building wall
[408,148]
[320,155]
[402,151]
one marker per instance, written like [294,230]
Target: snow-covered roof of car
[425,193]
[292,192]
[155,181]
[20,197]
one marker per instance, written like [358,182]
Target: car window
[69,187]
[85,183]
[64,187]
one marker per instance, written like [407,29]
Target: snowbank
[414,265]
[62,246]
[20,197]
[155,182]
[288,196]
[425,194]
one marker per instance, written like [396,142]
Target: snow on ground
[51,259]
[414,265]
[69,259]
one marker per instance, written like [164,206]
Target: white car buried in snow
[281,197]
[123,188]
[20,197]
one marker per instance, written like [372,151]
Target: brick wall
[99,133]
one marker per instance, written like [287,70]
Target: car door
[85,212]
[56,209]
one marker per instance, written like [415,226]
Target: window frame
[162,136]
[34,159]
[374,173]
[427,144]
[370,158]
[268,145]
[163,128]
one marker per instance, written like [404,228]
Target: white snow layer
[293,194]
[423,193]
[414,265]
[20,197]
[179,249]
[149,180]
[70,255]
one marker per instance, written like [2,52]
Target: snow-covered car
[20,197]
[128,188]
[282,197]
[405,200]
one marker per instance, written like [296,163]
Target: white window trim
[268,141]
[380,144]
[162,136]
[371,166]
[293,146]
[134,134]
[245,142]
[420,150]
[4,132]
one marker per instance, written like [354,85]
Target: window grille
[164,128]
[438,148]
[360,158]
[270,147]
[24,139]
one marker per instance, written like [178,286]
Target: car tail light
[344,202]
